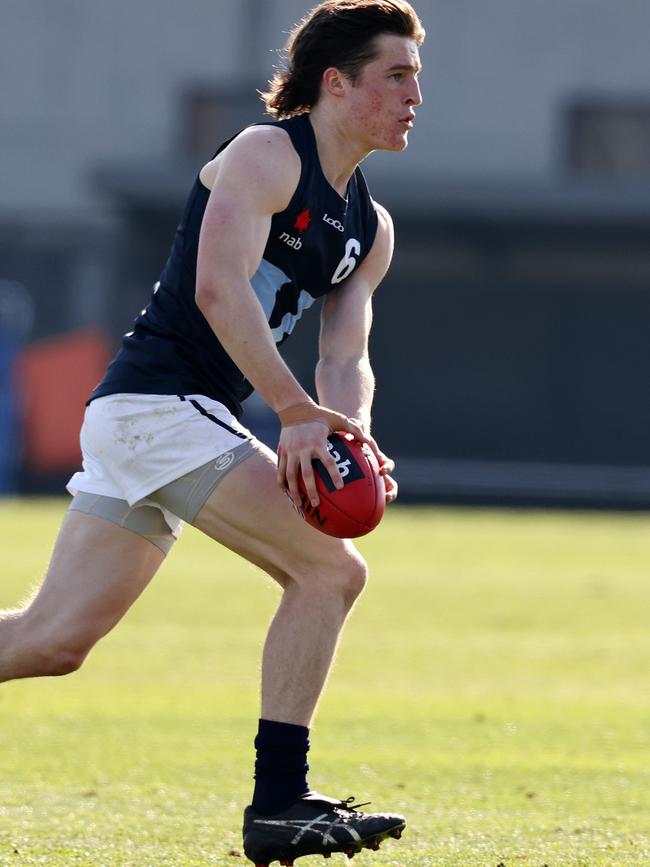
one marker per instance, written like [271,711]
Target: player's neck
[339,153]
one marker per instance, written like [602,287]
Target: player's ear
[334,81]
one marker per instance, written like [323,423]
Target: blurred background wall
[510,340]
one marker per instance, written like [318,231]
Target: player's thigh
[250,514]
[97,571]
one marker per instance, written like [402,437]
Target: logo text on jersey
[303,220]
[332,222]
[290,241]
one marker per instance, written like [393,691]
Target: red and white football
[357,507]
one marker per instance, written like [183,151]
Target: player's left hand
[386,465]
[386,468]
[391,489]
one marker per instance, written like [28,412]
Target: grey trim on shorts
[147,521]
[185,497]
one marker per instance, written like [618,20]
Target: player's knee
[353,575]
[358,577]
[65,660]
[342,577]
[56,658]
[54,651]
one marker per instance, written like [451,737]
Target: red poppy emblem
[303,220]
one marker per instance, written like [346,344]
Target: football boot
[316,825]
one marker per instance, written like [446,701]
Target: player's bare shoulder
[261,159]
[381,253]
[385,231]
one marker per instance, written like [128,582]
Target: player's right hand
[299,445]
[304,439]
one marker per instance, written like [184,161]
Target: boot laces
[348,803]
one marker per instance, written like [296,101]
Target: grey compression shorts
[184,497]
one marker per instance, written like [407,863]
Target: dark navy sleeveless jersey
[312,247]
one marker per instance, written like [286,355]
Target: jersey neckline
[344,199]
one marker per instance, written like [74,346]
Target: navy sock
[281,766]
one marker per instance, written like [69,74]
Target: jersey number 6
[347,263]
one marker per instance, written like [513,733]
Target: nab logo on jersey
[290,241]
[303,220]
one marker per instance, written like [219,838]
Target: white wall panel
[87,82]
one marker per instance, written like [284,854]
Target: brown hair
[338,33]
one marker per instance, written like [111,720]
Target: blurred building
[517,369]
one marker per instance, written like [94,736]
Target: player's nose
[415,94]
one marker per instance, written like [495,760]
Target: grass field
[492,684]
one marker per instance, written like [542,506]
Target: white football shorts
[134,444]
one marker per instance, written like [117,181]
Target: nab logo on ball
[347,463]
[357,507]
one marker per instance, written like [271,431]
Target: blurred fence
[510,345]
[16,315]
[510,339]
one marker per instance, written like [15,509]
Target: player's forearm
[238,321]
[347,386]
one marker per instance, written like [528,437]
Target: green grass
[492,684]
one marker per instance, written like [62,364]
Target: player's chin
[400,144]
[394,140]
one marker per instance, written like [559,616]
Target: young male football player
[279,217]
